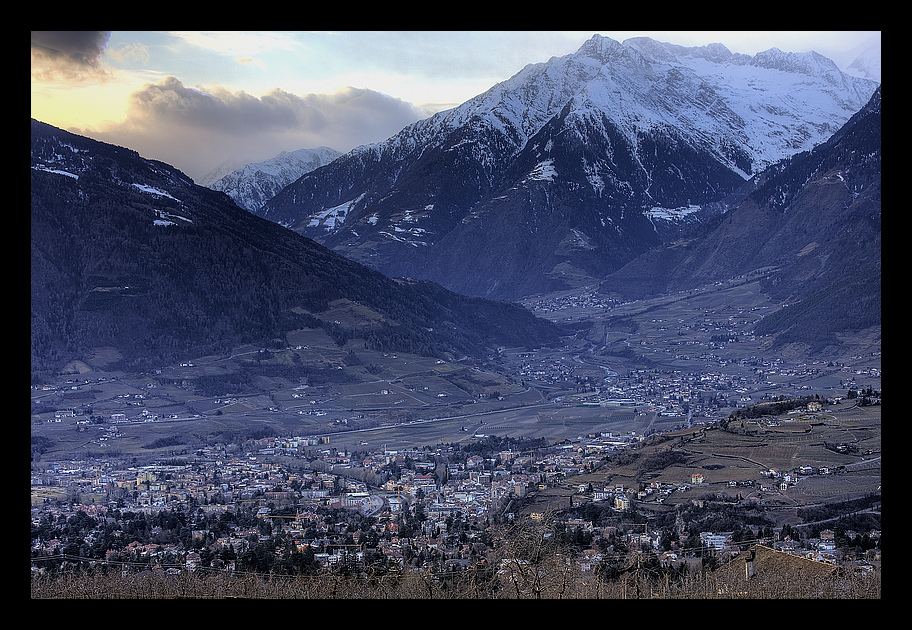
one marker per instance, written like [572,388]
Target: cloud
[129,52]
[239,43]
[68,55]
[248,60]
[196,129]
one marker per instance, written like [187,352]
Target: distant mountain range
[131,259]
[572,168]
[252,185]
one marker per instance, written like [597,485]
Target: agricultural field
[723,457]
[311,387]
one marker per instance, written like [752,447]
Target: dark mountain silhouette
[128,253]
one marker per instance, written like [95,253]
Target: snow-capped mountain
[863,60]
[252,185]
[866,64]
[572,167]
[813,224]
[225,168]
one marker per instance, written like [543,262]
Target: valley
[638,334]
[636,368]
[631,419]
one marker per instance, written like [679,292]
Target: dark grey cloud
[71,55]
[196,129]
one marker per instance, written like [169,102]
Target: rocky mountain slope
[573,167]
[813,221]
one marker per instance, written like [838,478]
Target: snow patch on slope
[158,192]
[543,171]
[44,169]
[671,214]
[331,219]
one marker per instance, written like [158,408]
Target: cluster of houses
[216,483]
[468,491]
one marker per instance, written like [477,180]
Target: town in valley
[394,459]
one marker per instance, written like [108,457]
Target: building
[714,541]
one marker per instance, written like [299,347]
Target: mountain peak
[650,48]
[809,63]
[608,51]
[624,132]
[251,185]
[598,46]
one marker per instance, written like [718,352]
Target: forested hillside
[129,254]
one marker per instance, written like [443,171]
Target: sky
[197,99]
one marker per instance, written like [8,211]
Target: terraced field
[722,457]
